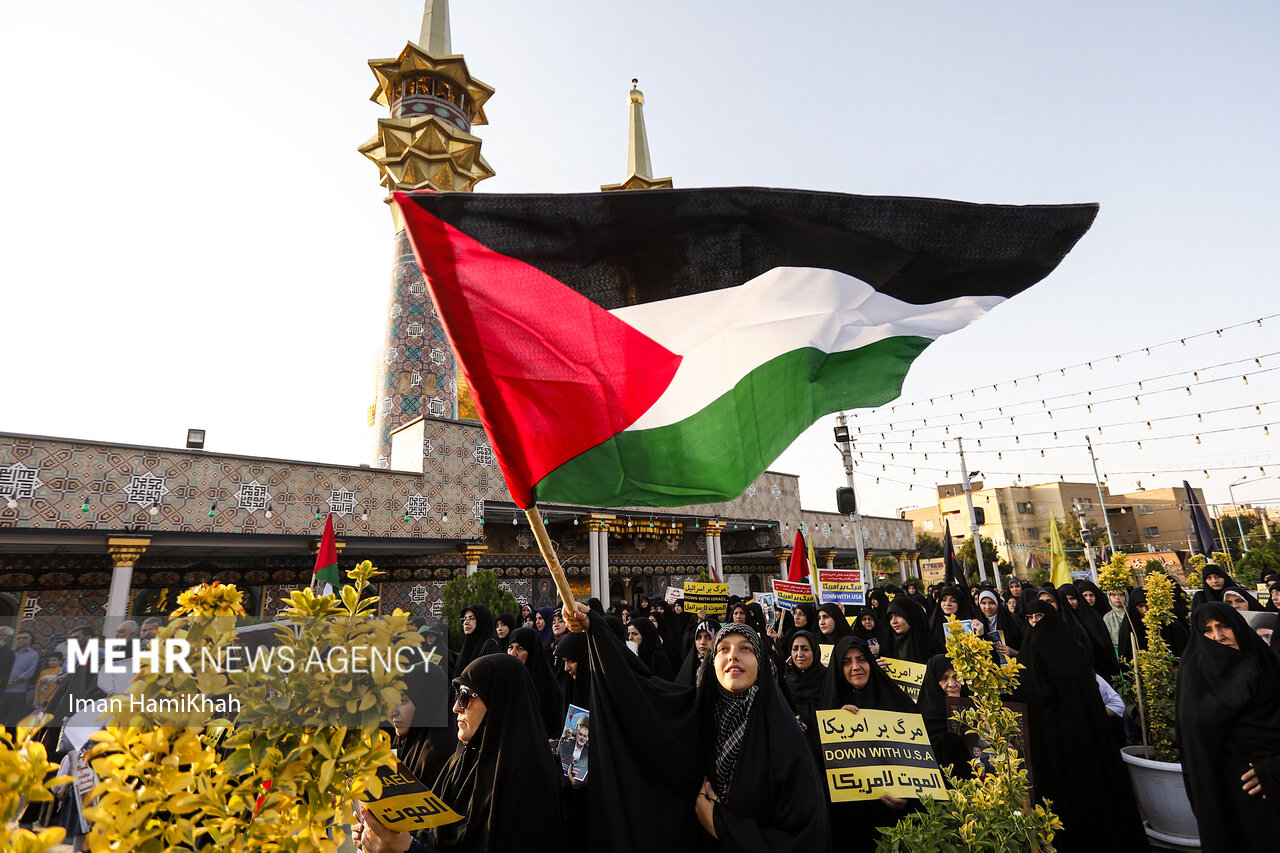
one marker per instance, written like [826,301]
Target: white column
[604,566]
[593,548]
[125,553]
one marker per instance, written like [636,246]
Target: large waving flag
[662,348]
[326,570]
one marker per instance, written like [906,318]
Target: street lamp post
[844,445]
[1236,509]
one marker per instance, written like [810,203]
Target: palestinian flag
[326,570]
[663,347]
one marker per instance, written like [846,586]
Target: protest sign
[674,594]
[407,805]
[1264,594]
[873,753]
[966,624]
[574,743]
[907,675]
[841,586]
[824,653]
[788,594]
[709,597]
[86,781]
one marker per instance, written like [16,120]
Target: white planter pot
[1162,799]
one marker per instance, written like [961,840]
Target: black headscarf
[1207,593]
[919,644]
[482,641]
[775,797]
[1103,658]
[511,623]
[804,687]
[1100,603]
[842,629]
[503,781]
[545,684]
[880,692]
[573,647]
[880,632]
[1174,633]
[671,630]
[782,645]
[650,651]
[965,609]
[432,734]
[691,666]
[1229,718]
[948,746]
[1074,760]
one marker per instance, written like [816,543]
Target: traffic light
[1086,535]
[979,515]
[846,501]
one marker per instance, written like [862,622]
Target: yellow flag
[1060,572]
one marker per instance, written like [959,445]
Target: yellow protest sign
[873,753]
[407,805]
[906,674]
[824,653]
[710,597]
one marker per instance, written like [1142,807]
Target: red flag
[798,569]
[326,570]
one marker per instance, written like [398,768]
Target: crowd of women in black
[703,728]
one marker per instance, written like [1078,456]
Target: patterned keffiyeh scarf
[731,713]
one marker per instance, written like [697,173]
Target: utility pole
[1111,540]
[845,446]
[1086,536]
[973,521]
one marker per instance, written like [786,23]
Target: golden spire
[639,166]
[434,102]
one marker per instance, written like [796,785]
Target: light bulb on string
[1266,430]
[155,510]
[1055,436]
[1148,424]
[1206,474]
[1195,375]
[1219,333]
[1140,447]
[1137,400]
[1246,379]
[1258,362]
[1198,440]
[1188,390]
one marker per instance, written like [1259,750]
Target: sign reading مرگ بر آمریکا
[705,597]
[873,753]
[407,805]
[788,594]
[841,586]
[906,674]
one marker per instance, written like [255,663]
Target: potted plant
[1153,766]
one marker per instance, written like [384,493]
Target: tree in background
[928,546]
[462,592]
[1261,558]
[965,553]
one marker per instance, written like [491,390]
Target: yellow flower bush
[1115,576]
[991,812]
[24,774]
[279,776]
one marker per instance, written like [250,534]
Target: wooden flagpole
[549,556]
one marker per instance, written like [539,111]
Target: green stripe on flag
[329,574]
[715,454]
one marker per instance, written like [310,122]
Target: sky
[191,238]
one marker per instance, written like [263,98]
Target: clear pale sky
[191,238]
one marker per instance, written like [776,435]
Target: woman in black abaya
[1073,757]
[479,636]
[1214,579]
[649,650]
[940,682]
[735,774]
[526,646]
[803,617]
[1104,658]
[912,639]
[804,675]
[855,682]
[1229,732]
[869,626]
[501,778]
[691,666]
[832,626]
[425,733]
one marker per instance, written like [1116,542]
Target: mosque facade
[95,532]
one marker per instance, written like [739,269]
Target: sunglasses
[462,698]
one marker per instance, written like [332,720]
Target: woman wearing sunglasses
[502,778]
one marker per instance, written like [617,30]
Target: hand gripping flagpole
[549,556]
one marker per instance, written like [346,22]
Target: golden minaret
[639,166]
[426,143]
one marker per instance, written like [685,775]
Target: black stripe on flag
[629,248]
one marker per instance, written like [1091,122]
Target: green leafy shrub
[462,592]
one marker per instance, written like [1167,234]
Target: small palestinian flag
[663,347]
[326,570]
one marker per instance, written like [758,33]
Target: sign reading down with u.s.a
[872,753]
